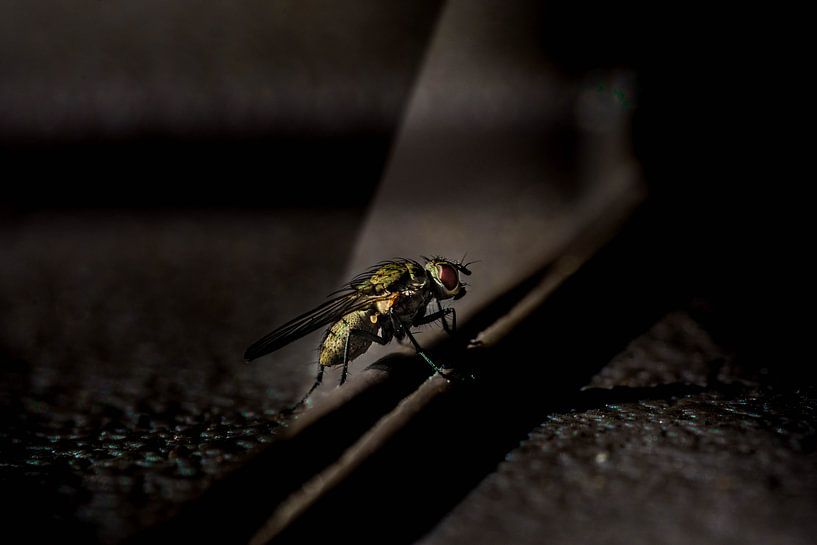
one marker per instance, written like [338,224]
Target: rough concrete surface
[673,443]
[123,390]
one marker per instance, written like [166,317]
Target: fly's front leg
[453,313]
[440,315]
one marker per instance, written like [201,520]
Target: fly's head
[445,277]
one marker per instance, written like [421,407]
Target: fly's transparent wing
[329,312]
[379,283]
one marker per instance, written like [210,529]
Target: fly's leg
[318,380]
[452,312]
[359,333]
[443,312]
[402,330]
[345,358]
[422,354]
[439,315]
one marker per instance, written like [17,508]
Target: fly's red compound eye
[448,276]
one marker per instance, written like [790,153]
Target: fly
[383,303]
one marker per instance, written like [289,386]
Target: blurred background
[181,177]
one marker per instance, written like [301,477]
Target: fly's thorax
[392,277]
[335,340]
[411,304]
[417,274]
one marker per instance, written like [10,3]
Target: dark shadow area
[703,134]
[151,173]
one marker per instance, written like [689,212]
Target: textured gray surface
[74,69]
[657,456]
[123,391]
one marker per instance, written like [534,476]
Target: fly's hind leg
[385,339]
[318,380]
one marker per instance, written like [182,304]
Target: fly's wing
[376,284]
[329,312]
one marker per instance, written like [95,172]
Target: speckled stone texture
[123,393]
[674,443]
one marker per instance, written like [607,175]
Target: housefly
[383,303]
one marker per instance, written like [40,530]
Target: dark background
[179,178]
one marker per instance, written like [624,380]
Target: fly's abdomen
[334,341]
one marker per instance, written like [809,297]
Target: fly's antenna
[463,266]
